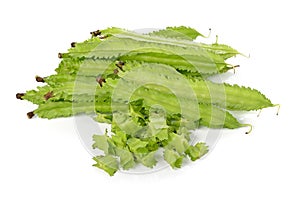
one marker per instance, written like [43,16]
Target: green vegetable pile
[152,88]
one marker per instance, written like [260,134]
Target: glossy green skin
[85,70]
[165,69]
[237,98]
[201,58]
[90,101]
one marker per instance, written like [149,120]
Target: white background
[41,159]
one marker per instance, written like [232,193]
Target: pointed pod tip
[278,108]
[209,33]
[250,128]
[258,114]
[233,67]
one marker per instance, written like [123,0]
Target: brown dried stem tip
[100,80]
[30,115]
[103,36]
[48,95]
[39,79]
[60,55]
[20,95]
[95,33]
[73,44]
[116,71]
[120,65]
